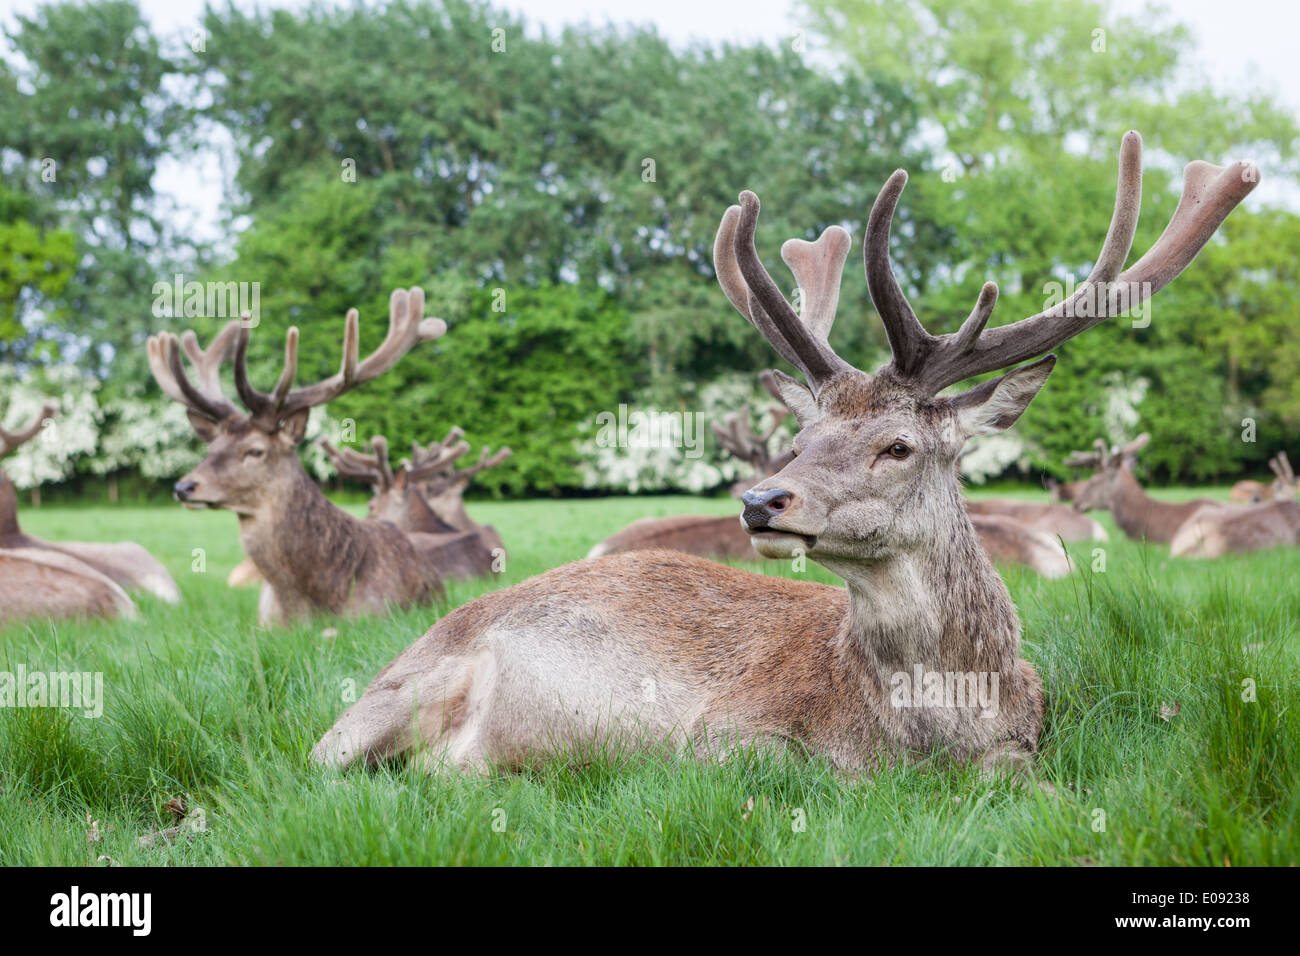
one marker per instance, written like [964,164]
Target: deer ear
[204,427]
[797,398]
[295,426]
[996,404]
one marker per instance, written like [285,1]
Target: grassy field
[1154,755]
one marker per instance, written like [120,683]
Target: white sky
[1243,43]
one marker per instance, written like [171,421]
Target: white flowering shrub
[993,455]
[73,433]
[153,436]
[668,464]
[1123,396]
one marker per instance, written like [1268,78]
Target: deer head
[873,474]
[1113,466]
[397,497]
[252,454]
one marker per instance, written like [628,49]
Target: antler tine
[437,459]
[778,413]
[801,342]
[485,461]
[1210,193]
[11,440]
[164,352]
[352,465]
[1285,463]
[733,284]
[1083,459]
[379,445]
[908,340]
[1136,445]
[818,267]
[407,327]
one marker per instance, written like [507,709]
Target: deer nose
[762,506]
[183,489]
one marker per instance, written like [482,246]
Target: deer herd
[647,642]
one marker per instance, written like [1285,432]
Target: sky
[1242,43]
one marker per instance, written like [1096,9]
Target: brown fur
[1139,516]
[312,555]
[36,582]
[1051,519]
[705,536]
[562,658]
[1217,529]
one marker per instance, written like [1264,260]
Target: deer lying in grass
[1051,519]
[1271,522]
[1113,488]
[657,647]
[58,578]
[1281,488]
[444,488]
[313,555]
[397,500]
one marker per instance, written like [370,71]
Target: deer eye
[253,453]
[899,450]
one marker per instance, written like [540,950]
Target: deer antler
[931,363]
[801,340]
[438,461]
[11,440]
[1085,459]
[373,469]
[207,398]
[406,328]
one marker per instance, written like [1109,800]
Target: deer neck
[420,517]
[449,506]
[943,608]
[301,541]
[8,507]
[1130,505]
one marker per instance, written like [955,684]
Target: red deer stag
[1113,488]
[1282,488]
[1052,519]
[37,579]
[1273,521]
[398,501]
[312,555]
[444,488]
[651,647]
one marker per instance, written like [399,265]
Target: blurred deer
[38,579]
[125,563]
[445,485]
[1113,488]
[1217,529]
[737,437]
[398,500]
[649,648]
[312,555]
[1281,488]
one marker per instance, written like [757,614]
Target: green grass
[204,704]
